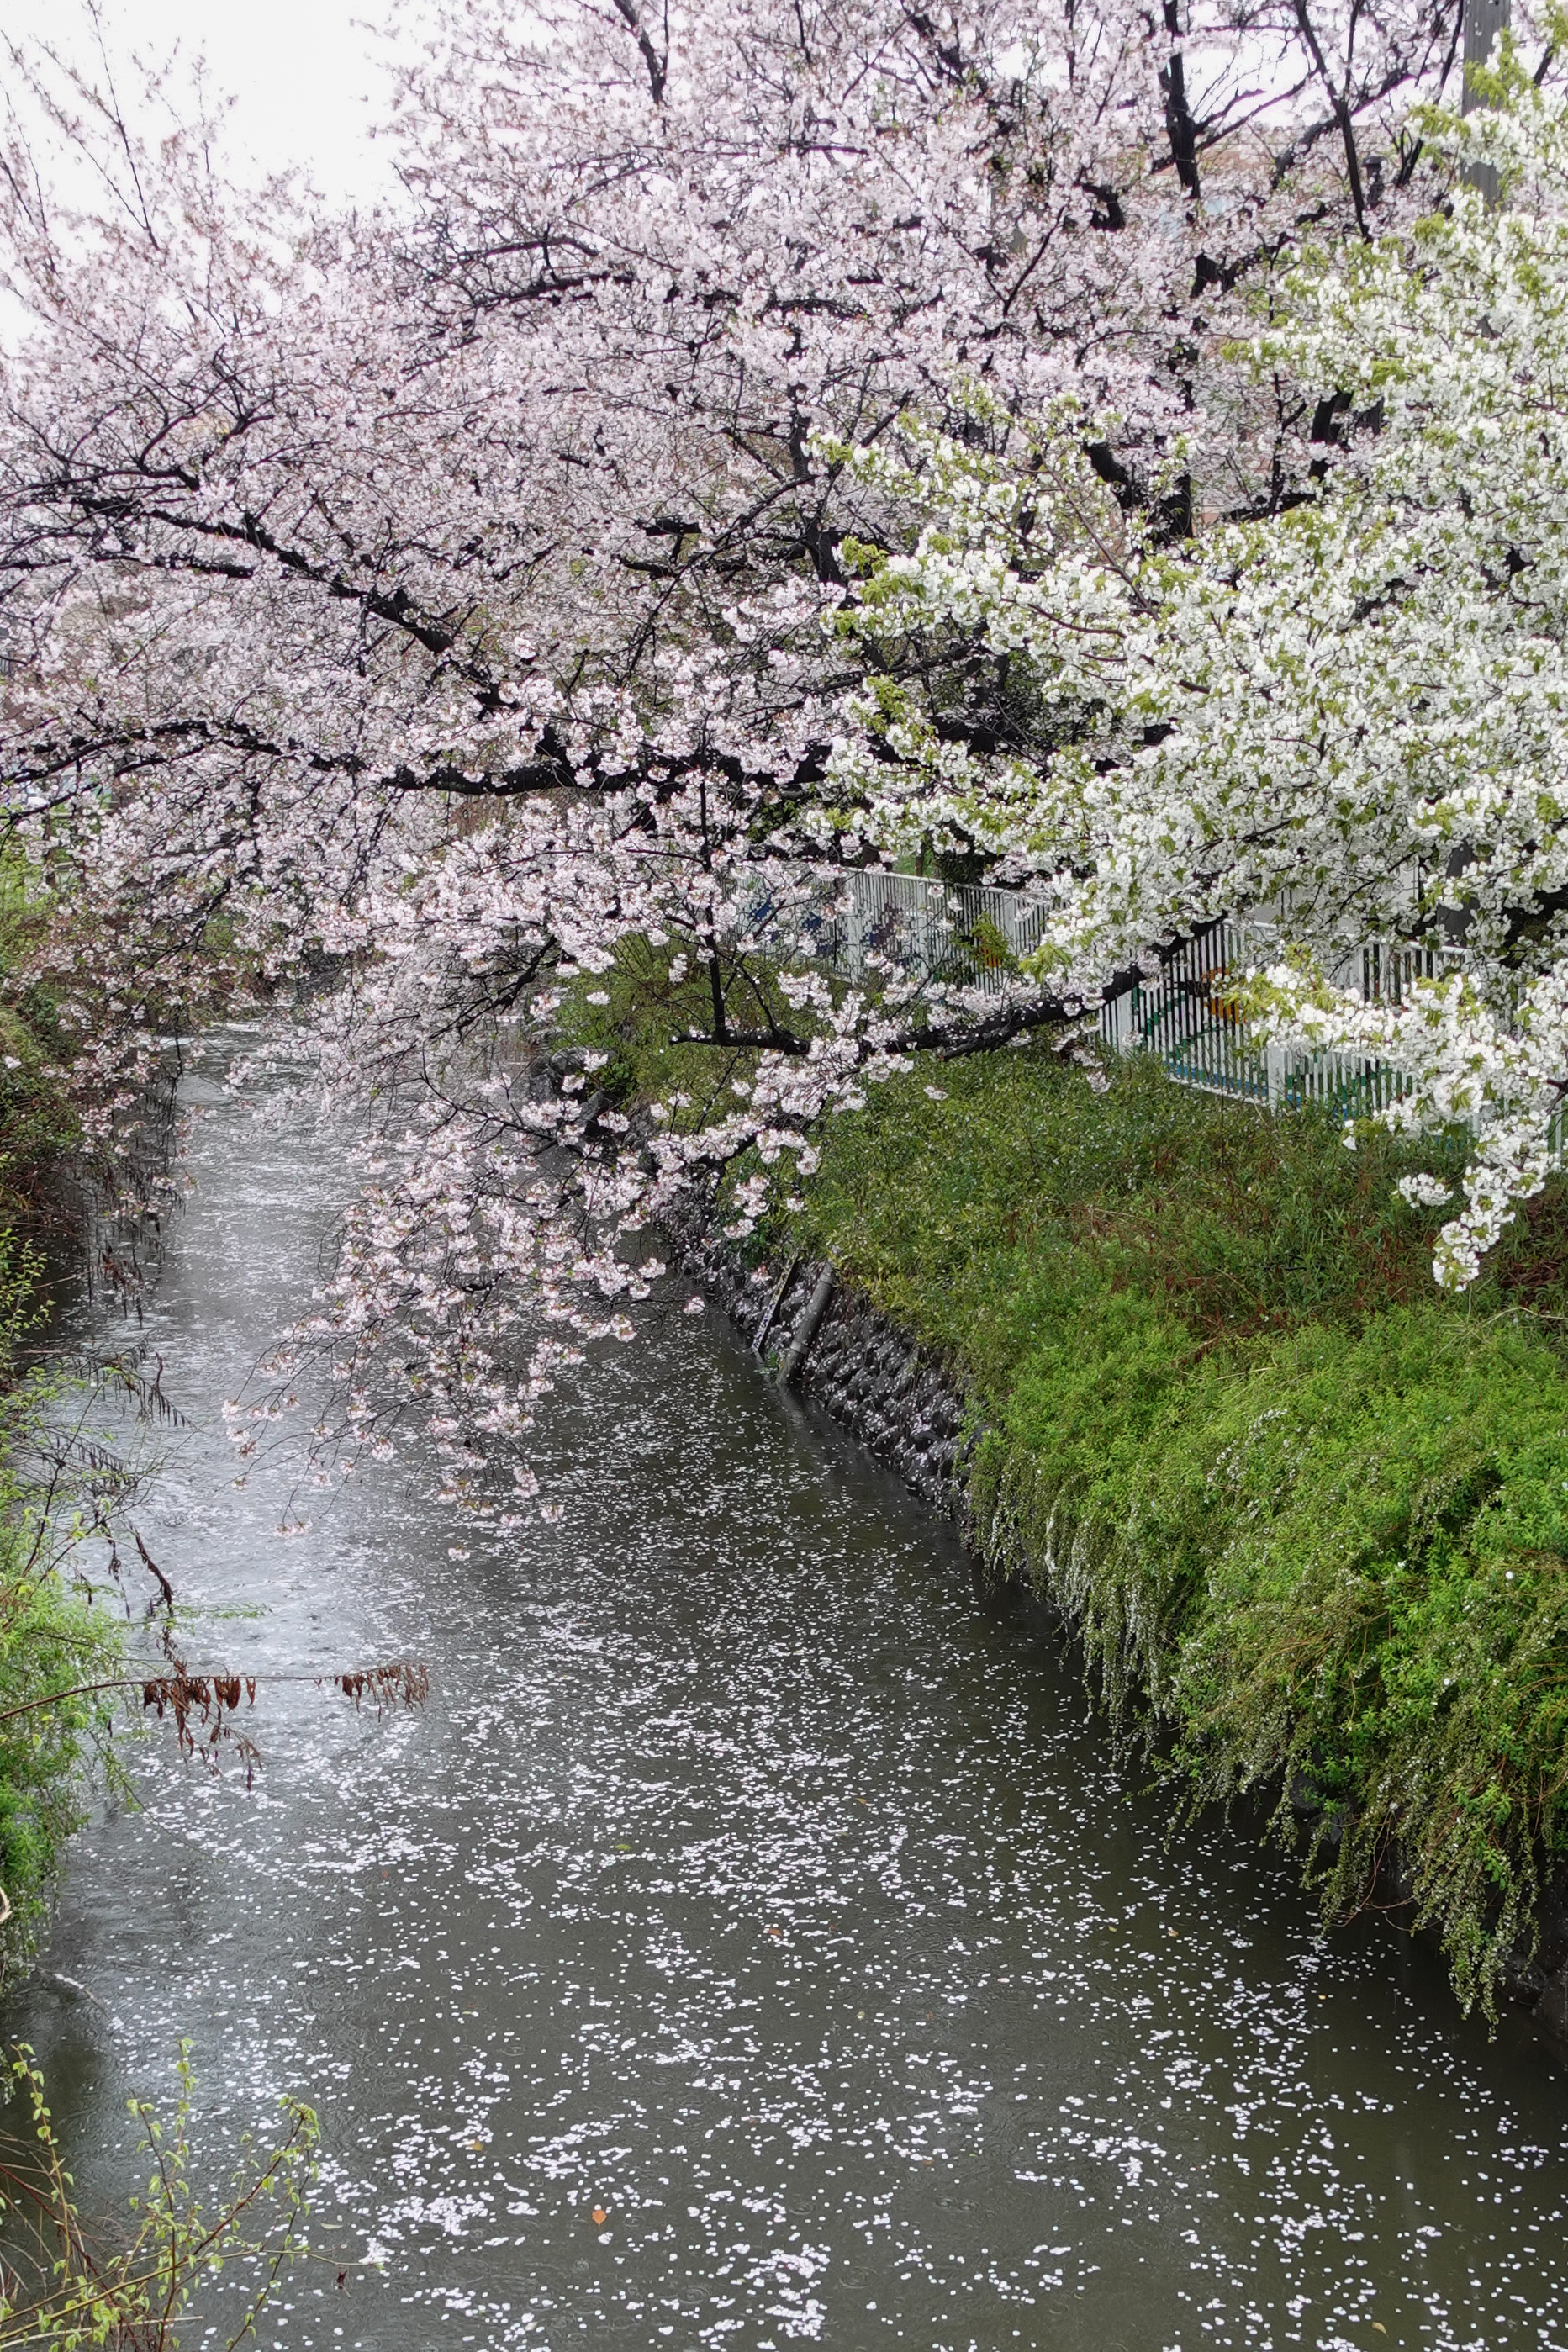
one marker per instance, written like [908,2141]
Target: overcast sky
[301,71]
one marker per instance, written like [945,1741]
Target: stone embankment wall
[872,1377]
[858,1366]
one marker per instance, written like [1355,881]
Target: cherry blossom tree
[1347,719]
[451,600]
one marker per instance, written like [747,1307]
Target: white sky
[301,71]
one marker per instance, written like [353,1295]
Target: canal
[748,1880]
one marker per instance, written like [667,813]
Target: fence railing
[1187,1014]
[971,935]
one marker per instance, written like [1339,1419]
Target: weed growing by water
[1311,1519]
[65,2286]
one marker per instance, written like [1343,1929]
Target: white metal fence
[1187,1014]
[972,935]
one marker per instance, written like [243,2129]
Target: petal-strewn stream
[751,1943]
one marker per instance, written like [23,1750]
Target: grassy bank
[1311,1517]
[53,1636]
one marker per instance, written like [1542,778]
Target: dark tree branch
[658,66]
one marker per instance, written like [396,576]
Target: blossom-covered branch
[456,602]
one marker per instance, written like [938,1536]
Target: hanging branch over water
[460,602]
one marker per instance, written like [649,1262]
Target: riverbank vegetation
[55,1644]
[54,1637]
[1311,1520]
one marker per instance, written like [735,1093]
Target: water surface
[748,1878]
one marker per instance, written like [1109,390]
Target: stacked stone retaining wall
[860,1368]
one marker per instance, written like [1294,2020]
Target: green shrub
[1311,1519]
[52,1640]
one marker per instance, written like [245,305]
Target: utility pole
[1484,20]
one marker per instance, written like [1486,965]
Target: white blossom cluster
[1350,718]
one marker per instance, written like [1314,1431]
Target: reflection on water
[747,1880]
